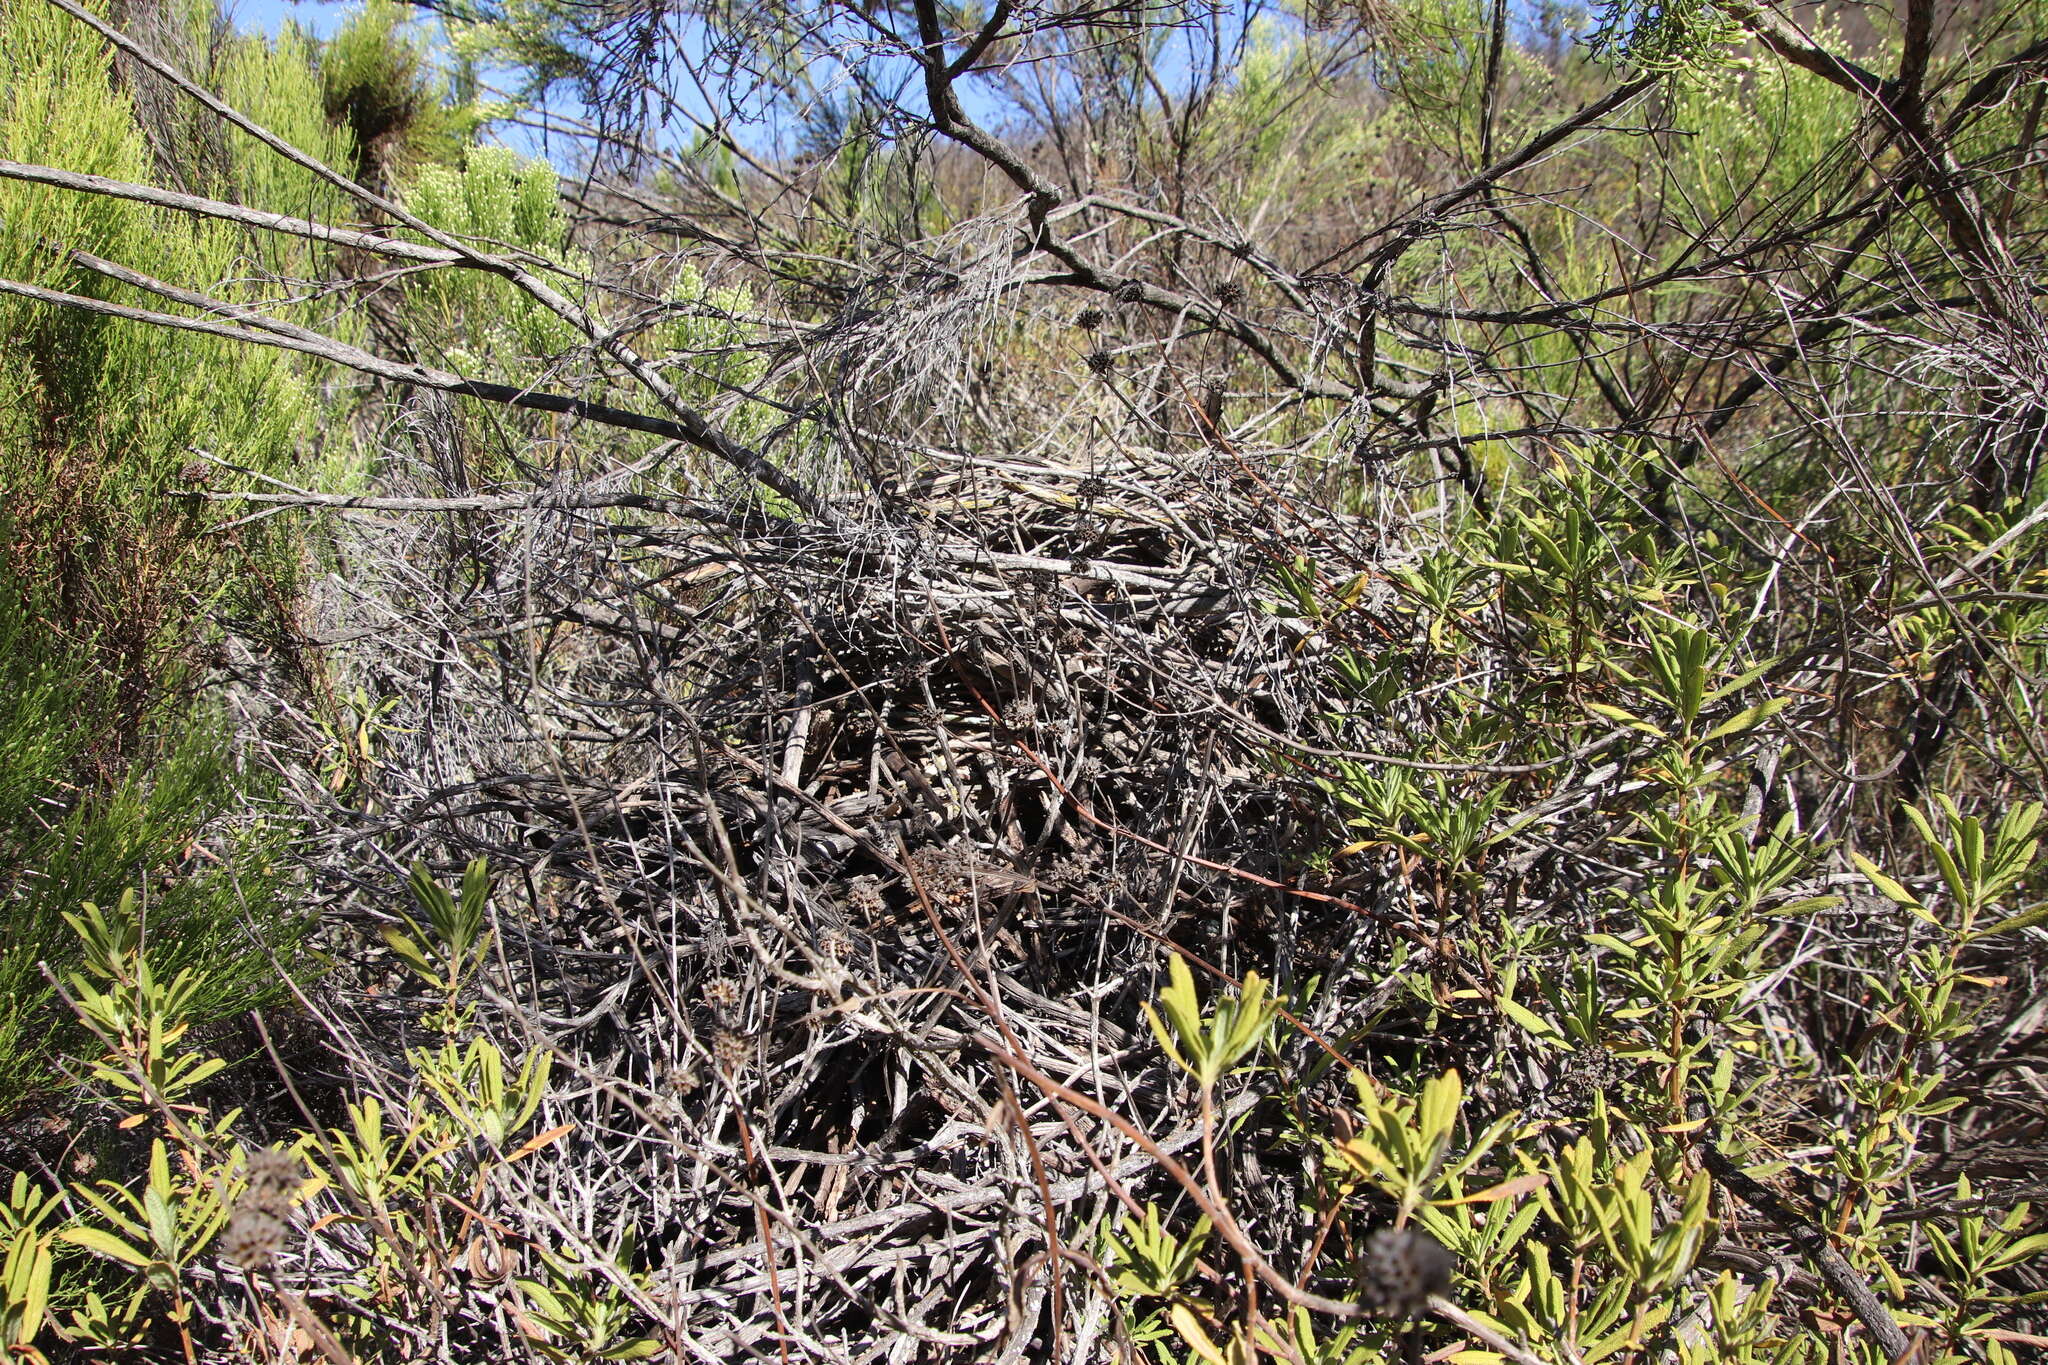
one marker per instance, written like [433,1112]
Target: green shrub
[113,775]
[122,1262]
[72,830]
[378,82]
[1652,994]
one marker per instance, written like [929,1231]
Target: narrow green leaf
[1529,1020]
[1892,890]
[410,953]
[1739,681]
[2026,919]
[105,1243]
[1750,716]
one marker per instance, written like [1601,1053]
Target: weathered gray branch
[231,213]
[258,330]
[688,425]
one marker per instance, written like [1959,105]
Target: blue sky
[321,19]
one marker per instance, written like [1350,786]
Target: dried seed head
[864,898]
[273,1176]
[729,1050]
[1230,293]
[1589,1070]
[1075,869]
[1019,713]
[1101,362]
[1130,291]
[722,993]
[946,874]
[679,1079]
[1400,1270]
[1092,487]
[1597,1066]
[252,1237]
[256,1228]
[1088,319]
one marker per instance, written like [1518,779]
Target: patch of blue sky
[270,16]
[1183,55]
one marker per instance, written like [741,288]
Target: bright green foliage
[456,930]
[571,1319]
[1976,1249]
[1208,1046]
[278,84]
[102,569]
[1298,1339]
[470,1084]
[1665,35]
[1579,1247]
[495,198]
[126,1005]
[377,82]
[26,1263]
[158,1232]
[499,202]
[1977,871]
[1761,138]
[708,350]
[1147,1259]
[1588,1207]
[108,414]
[68,836]
[134,400]
[1404,1145]
[1579,1229]
[373,1180]
[700,336]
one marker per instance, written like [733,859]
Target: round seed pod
[1400,1269]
